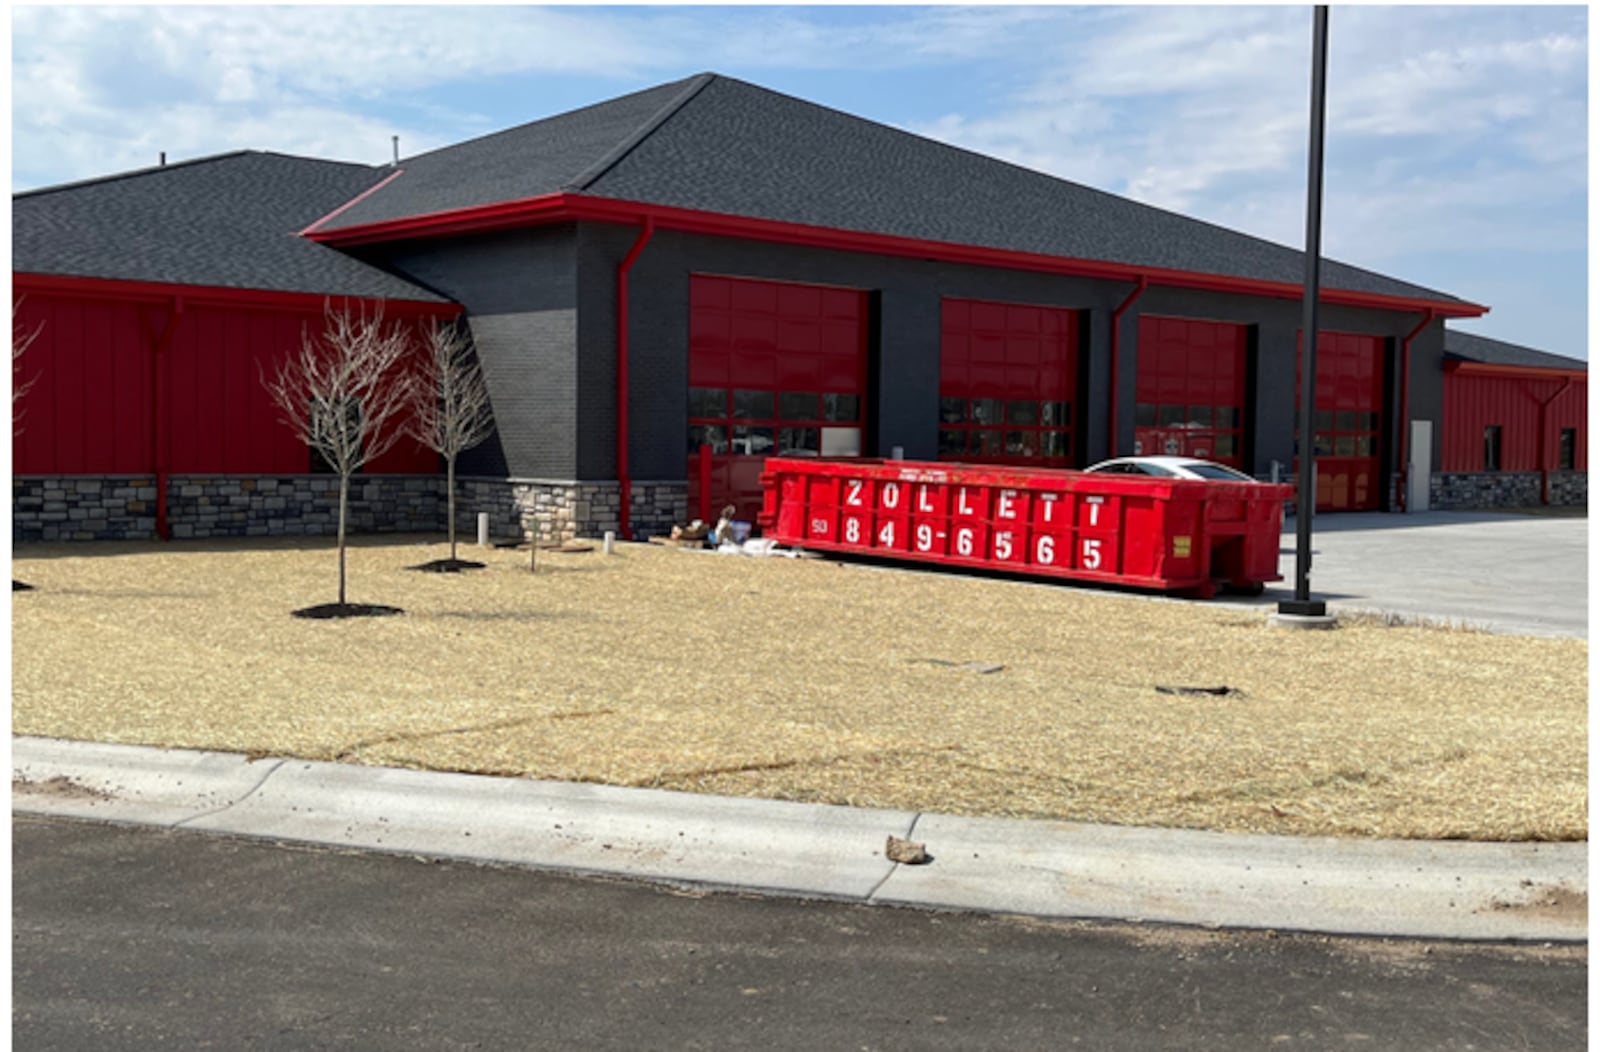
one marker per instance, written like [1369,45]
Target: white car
[1170,468]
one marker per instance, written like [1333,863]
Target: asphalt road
[137,938]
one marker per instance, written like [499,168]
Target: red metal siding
[1008,376]
[89,409]
[1472,403]
[1189,397]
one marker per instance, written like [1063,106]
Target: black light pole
[1305,502]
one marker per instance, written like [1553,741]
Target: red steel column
[160,436]
[1544,441]
[624,483]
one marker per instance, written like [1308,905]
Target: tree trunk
[344,500]
[450,502]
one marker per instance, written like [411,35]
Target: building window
[1491,448]
[1567,458]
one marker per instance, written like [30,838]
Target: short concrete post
[483,529]
[610,542]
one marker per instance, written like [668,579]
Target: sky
[1457,152]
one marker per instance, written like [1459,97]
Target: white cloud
[1204,111]
[1444,122]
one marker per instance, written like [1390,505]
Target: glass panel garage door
[1007,382]
[1189,398]
[1347,426]
[774,369]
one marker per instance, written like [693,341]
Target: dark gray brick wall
[520,292]
[910,293]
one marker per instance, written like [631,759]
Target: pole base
[1303,607]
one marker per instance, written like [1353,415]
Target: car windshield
[1217,471]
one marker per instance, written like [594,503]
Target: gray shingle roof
[231,220]
[721,145]
[1468,347]
[559,153]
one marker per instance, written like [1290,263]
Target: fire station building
[711,264]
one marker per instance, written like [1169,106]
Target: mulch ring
[447,566]
[328,611]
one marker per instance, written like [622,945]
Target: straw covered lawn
[807,680]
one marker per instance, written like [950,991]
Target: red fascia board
[112,288]
[562,207]
[1527,372]
[363,195]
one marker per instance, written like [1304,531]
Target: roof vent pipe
[163,158]
[396,163]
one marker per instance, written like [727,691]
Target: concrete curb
[1455,890]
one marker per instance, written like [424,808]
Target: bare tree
[451,412]
[21,340]
[343,394]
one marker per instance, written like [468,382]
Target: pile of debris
[728,536]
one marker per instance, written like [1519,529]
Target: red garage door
[1007,380]
[1189,398]
[1347,426]
[774,369]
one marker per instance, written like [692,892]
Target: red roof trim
[562,207]
[369,191]
[111,288]
[1527,372]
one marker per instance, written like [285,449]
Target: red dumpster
[1175,535]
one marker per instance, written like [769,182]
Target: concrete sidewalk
[1440,890]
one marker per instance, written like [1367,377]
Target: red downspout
[159,436]
[1405,398]
[1116,344]
[624,483]
[1544,441]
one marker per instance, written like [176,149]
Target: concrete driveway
[1521,574]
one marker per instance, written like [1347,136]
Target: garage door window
[1190,393]
[1007,380]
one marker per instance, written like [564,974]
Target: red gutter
[362,196]
[1405,399]
[1116,344]
[561,207]
[624,482]
[162,292]
[159,436]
